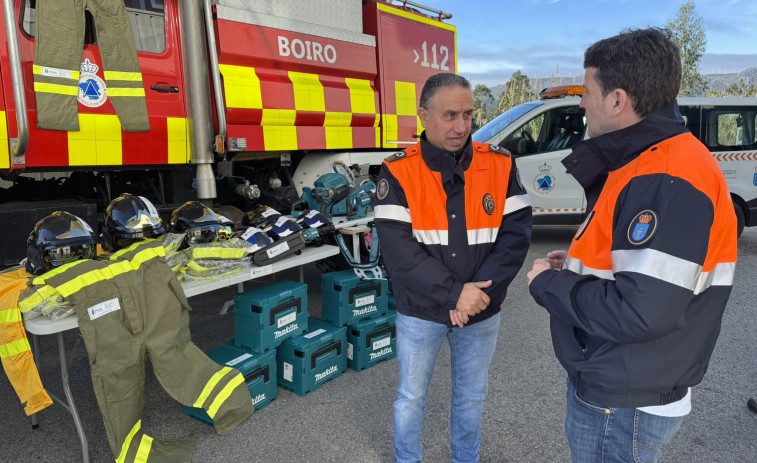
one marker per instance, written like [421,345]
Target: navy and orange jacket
[443,224]
[636,310]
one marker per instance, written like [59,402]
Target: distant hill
[722,81]
[718,82]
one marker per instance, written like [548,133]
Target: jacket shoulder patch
[498,149]
[396,156]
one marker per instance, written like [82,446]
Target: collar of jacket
[443,161]
[592,159]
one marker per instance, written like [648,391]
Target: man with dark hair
[455,226]
[636,303]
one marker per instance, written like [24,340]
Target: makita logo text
[330,370]
[381,353]
[369,309]
[258,398]
[287,330]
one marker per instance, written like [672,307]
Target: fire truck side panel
[411,48]
[286,89]
[101,142]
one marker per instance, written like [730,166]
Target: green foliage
[689,35]
[517,91]
[483,106]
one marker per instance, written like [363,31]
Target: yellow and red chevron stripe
[279,110]
[100,141]
[735,156]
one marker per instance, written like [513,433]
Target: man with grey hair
[455,225]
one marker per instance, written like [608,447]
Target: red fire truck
[248,101]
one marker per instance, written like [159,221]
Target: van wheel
[739,219]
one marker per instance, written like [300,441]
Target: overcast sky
[548,37]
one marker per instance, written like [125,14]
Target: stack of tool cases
[361,306]
[276,343]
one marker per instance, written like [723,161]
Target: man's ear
[620,102]
[423,114]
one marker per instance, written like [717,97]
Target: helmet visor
[57,256]
[204,234]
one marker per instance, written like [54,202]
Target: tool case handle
[364,289]
[324,350]
[387,329]
[257,374]
[280,308]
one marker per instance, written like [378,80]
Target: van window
[730,129]
[146,17]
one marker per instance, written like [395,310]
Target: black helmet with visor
[58,239]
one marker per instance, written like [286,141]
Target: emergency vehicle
[248,101]
[541,133]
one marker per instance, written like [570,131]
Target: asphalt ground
[350,417]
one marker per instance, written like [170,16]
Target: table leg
[35,353]
[70,398]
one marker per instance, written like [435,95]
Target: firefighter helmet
[198,222]
[58,239]
[129,218]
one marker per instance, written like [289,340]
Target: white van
[541,133]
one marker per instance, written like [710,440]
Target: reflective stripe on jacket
[635,317]
[443,224]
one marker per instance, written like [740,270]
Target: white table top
[42,325]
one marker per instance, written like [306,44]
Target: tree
[517,91]
[688,34]
[483,104]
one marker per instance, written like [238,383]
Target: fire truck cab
[541,133]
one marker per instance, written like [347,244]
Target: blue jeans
[599,434]
[471,351]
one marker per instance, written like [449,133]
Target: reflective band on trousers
[224,394]
[212,382]
[120,75]
[71,90]
[144,445]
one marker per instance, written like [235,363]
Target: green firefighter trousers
[59,39]
[131,308]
